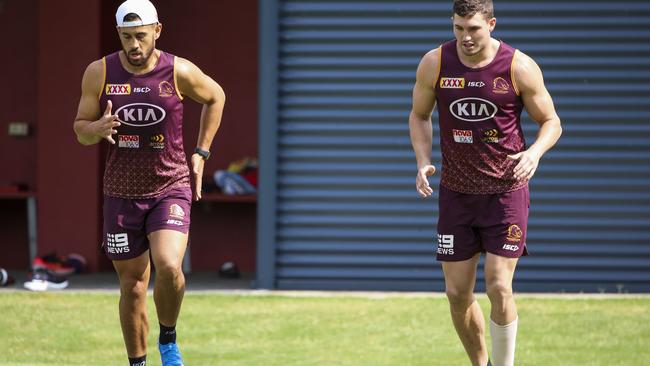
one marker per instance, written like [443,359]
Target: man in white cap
[147,185]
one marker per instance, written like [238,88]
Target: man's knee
[169,269]
[499,291]
[459,298]
[133,286]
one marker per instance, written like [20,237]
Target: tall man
[147,189]
[480,85]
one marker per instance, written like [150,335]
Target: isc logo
[473,109]
[140,114]
[511,247]
[145,89]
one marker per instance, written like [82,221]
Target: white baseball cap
[143,8]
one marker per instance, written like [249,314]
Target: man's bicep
[424,99]
[535,96]
[88,109]
[205,90]
[197,85]
[91,86]
[539,105]
[424,96]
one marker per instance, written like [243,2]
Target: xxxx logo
[452,83]
[118,89]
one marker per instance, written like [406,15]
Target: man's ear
[157,31]
[492,23]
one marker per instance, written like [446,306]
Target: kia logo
[140,114]
[473,109]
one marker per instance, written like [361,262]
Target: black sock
[167,334]
[138,361]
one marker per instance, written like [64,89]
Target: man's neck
[481,59]
[142,69]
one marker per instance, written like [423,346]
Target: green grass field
[261,330]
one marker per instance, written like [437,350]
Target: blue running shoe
[170,355]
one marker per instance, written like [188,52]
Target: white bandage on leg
[503,343]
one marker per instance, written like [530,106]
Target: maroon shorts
[472,223]
[127,222]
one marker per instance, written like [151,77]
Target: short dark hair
[467,8]
[131,17]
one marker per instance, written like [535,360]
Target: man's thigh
[124,234]
[167,248]
[168,226]
[171,212]
[503,225]
[457,239]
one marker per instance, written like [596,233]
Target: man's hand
[197,172]
[105,126]
[527,165]
[421,181]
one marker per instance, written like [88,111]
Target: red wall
[44,82]
[18,72]
[67,173]
[15,254]
[18,68]
[220,37]
[41,75]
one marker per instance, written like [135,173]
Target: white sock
[503,343]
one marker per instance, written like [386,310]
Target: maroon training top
[148,158]
[479,114]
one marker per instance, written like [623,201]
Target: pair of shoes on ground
[43,280]
[170,355]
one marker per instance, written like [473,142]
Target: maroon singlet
[148,158]
[479,113]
